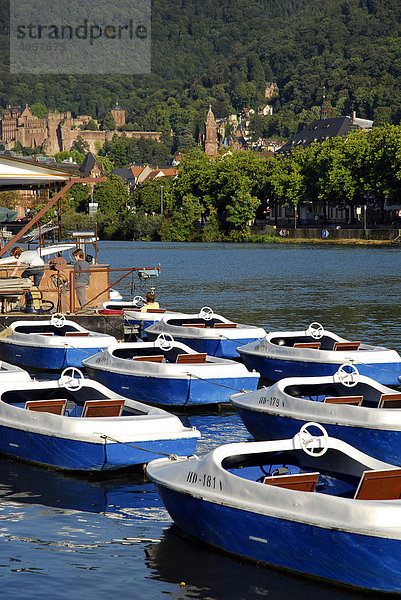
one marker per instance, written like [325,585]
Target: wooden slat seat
[103,408]
[379,485]
[313,345]
[156,310]
[200,325]
[301,482]
[224,325]
[341,346]
[357,400]
[77,333]
[390,401]
[187,359]
[54,406]
[156,358]
[47,333]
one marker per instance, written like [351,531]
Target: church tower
[211,144]
[118,114]
[323,108]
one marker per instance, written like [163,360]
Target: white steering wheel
[315,330]
[138,299]
[165,341]
[347,374]
[309,442]
[206,313]
[69,381]
[58,320]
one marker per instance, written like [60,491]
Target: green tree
[112,197]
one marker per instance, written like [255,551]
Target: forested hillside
[223,51]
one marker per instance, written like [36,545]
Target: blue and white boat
[352,407]
[79,425]
[207,332]
[312,504]
[50,345]
[141,320]
[168,373]
[318,352]
[118,306]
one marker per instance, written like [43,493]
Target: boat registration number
[272,401]
[205,480]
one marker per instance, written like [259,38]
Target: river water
[84,537]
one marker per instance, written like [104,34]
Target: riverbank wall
[331,234]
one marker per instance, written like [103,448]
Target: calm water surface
[69,537]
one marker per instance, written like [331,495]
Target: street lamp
[161,199]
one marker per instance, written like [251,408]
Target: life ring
[282,232]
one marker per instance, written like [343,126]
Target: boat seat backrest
[301,482]
[379,485]
[55,406]
[357,400]
[103,408]
[155,358]
[156,310]
[313,345]
[187,359]
[341,346]
[199,325]
[77,333]
[224,325]
[390,401]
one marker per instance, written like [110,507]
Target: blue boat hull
[275,369]
[383,444]
[74,455]
[173,392]
[360,561]
[45,358]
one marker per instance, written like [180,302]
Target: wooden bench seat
[103,408]
[313,345]
[156,310]
[224,325]
[357,400]
[390,401]
[301,482]
[77,333]
[187,359]
[156,358]
[47,333]
[55,406]
[341,346]
[379,485]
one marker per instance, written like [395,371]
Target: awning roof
[7,215]
[16,173]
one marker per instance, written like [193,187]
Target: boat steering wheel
[206,313]
[315,330]
[347,374]
[308,440]
[69,381]
[57,320]
[139,299]
[165,341]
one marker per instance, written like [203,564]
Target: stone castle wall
[58,132]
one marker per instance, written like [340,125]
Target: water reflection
[213,575]
[124,494]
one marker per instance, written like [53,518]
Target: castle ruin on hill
[58,131]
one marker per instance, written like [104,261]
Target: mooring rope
[108,437]
[217,383]
[372,366]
